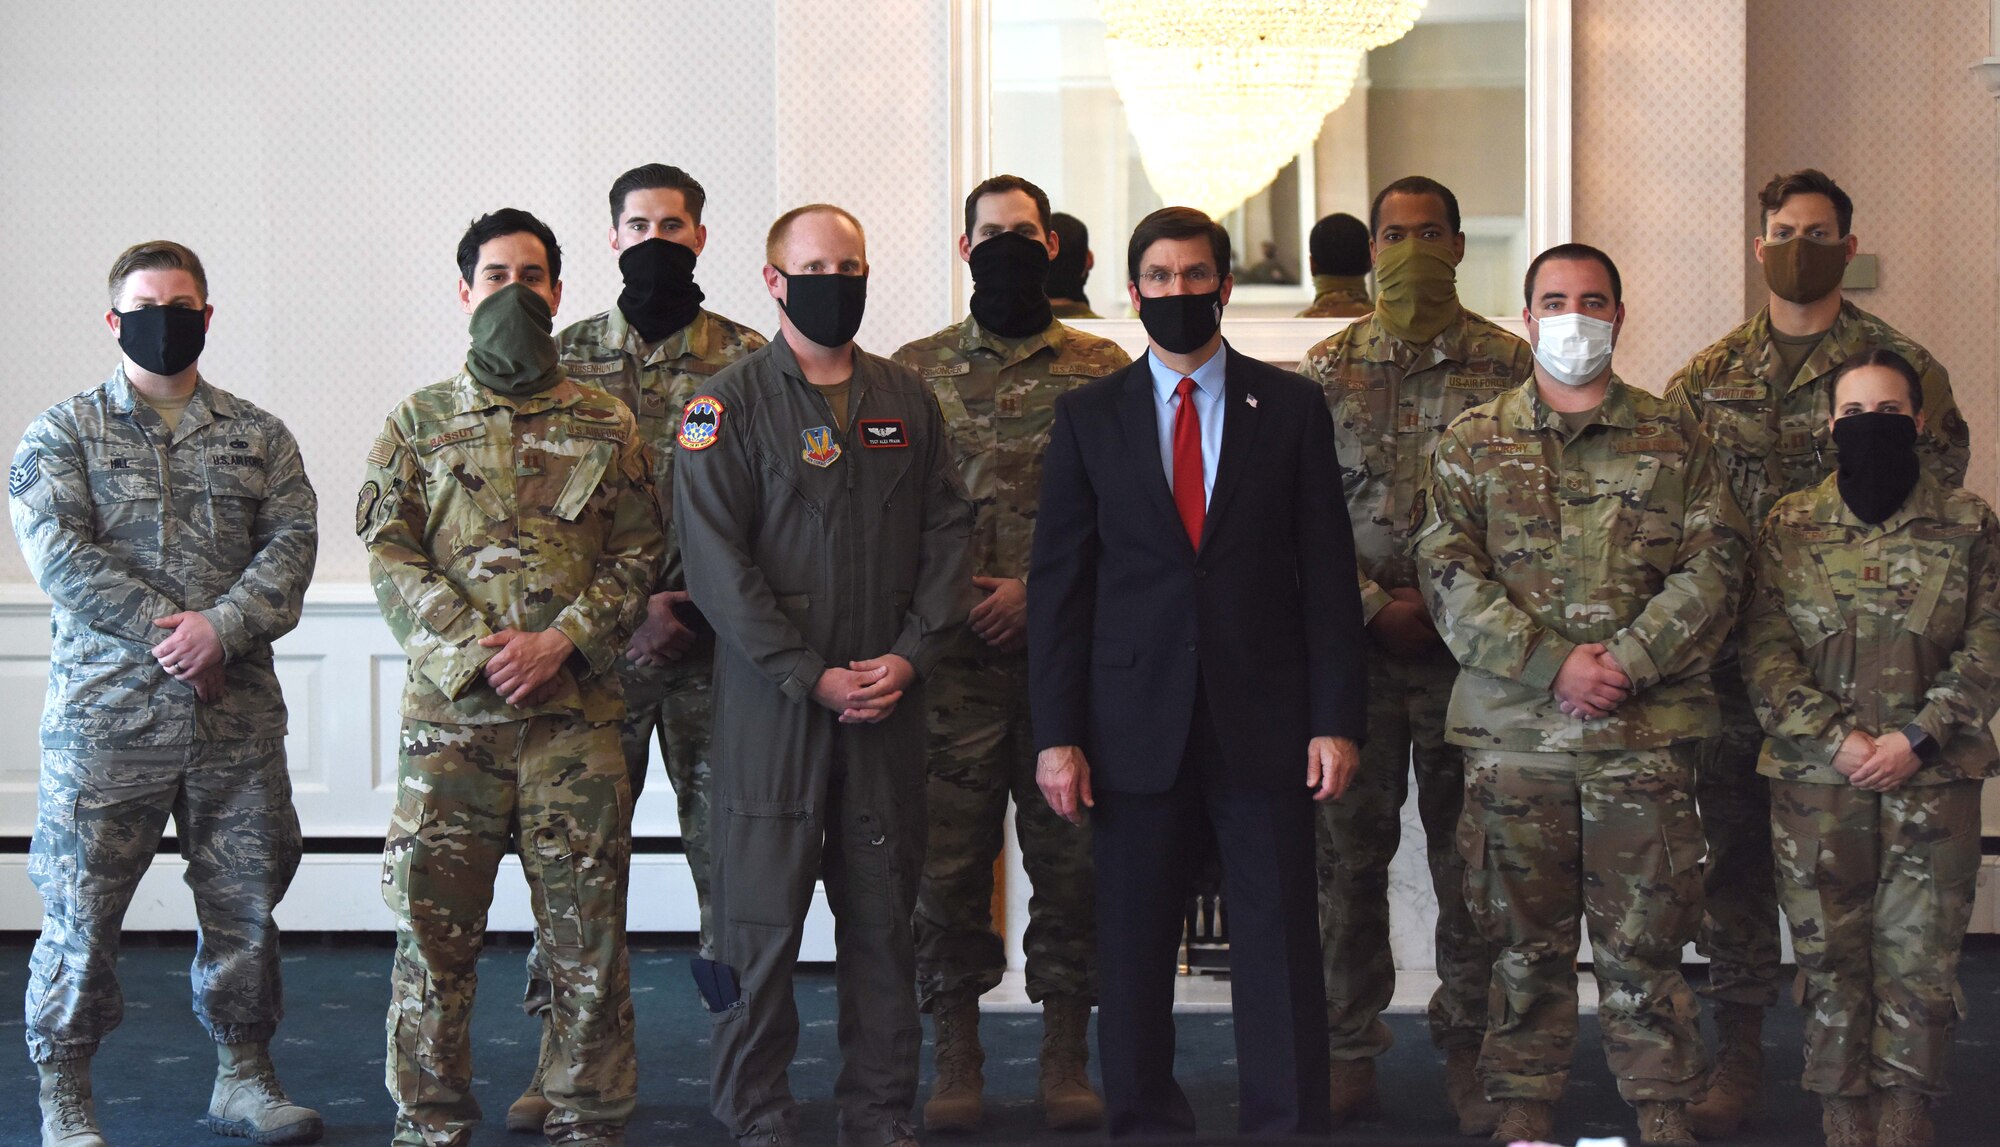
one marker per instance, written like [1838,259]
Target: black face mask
[1009,275]
[1878,463]
[826,308]
[163,340]
[659,296]
[1182,323]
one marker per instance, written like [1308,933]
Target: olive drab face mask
[1800,270]
[513,351]
[1416,289]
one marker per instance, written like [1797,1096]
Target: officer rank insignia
[701,423]
[880,433]
[821,450]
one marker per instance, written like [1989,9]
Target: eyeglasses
[1197,276]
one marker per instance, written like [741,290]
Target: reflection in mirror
[1447,100]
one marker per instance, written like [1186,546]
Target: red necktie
[1189,496]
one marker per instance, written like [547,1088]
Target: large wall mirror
[1475,93]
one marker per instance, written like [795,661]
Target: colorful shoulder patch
[820,449]
[701,423]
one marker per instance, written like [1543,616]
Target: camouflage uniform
[1341,297]
[122,523]
[1773,446]
[998,397]
[1390,403]
[1853,626]
[672,702]
[1538,540]
[481,513]
[1073,310]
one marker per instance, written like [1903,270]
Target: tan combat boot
[1350,1091]
[1666,1122]
[955,1103]
[531,1110]
[1738,1074]
[1906,1119]
[69,1118]
[1843,1119]
[1477,1115]
[1068,1103]
[1533,1120]
[249,1104]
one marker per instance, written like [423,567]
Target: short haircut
[1339,245]
[1572,253]
[1415,185]
[506,221]
[774,239]
[657,176]
[1000,184]
[1177,223]
[1880,356]
[155,255]
[1805,181]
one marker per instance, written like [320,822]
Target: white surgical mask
[1575,348]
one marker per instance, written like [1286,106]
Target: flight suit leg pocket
[875,895]
[769,849]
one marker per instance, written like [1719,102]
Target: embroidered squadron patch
[23,474]
[878,433]
[365,505]
[821,450]
[701,423]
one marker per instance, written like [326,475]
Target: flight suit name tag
[882,433]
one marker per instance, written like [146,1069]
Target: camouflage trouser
[556,786]
[1611,837]
[982,749]
[1878,890]
[1358,836]
[1739,920]
[98,821]
[672,703]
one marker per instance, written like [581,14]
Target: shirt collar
[696,338]
[1208,376]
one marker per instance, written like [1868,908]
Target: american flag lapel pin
[1251,399]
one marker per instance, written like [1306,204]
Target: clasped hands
[866,691]
[1590,683]
[1878,764]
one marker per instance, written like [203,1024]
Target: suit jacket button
[1190,647]
[1200,573]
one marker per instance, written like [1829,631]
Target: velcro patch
[383,452]
[1735,393]
[462,434]
[1511,448]
[1475,381]
[365,505]
[1662,443]
[701,423]
[23,474]
[1007,406]
[877,433]
[250,460]
[592,369]
[945,371]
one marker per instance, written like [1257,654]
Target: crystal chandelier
[1221,94]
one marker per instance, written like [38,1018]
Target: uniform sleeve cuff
[1632,657]
[599,654]
[1546,661]
[227,621]
[798,684]
[1373,598]
[454,668]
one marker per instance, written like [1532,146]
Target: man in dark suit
[1195,647]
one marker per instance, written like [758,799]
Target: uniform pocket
[584,478]
[558,856]
[768,850]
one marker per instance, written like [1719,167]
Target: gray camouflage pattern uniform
[998,398]
[1853,626]
[1391,401]
[483,512]
[1539,540]
[1772,435]
[122,523]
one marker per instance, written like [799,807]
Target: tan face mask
[1416,289]
[1800,270]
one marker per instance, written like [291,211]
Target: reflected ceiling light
[1221,94]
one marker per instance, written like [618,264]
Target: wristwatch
[1922,743]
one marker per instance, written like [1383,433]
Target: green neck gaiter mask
[1416,289]
[512,351]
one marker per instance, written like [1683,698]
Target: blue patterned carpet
[152,1078]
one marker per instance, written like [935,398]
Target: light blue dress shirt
[1208,396]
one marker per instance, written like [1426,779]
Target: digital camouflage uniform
[1772,435]
[1853,626]
[1390,403]
[1538,540]
[122,523]
[672,702]
[482,513]
[1340,297]
[811,545]
[998,398]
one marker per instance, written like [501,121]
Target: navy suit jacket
[1125,614]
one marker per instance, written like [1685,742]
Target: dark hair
[654,176]
[155,255]
[506,221]
[1805,181]
[1573,252]
[1415,185]
[1879,356]
[1176,223]
[1068,269]
[1339,245]
[1001,184]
